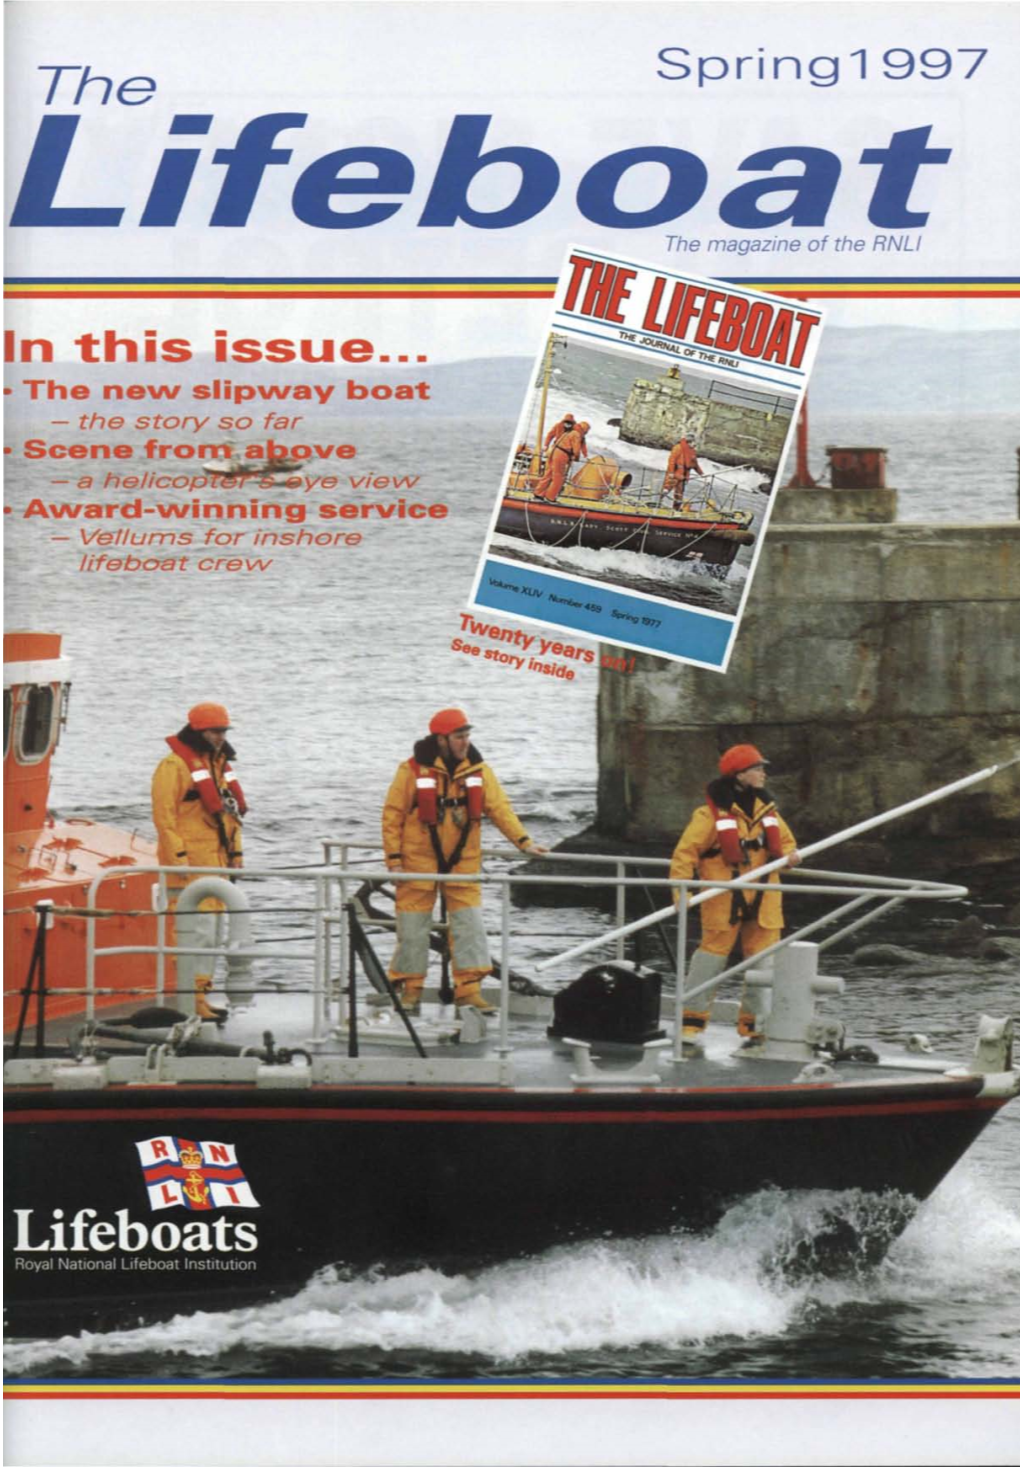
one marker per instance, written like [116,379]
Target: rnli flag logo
[199,1175]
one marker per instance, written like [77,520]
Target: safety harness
[216,801]
[432,806]
[734,852]
[563,448]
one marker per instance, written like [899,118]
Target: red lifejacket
[474,786]
[426,798]
[773,839]
[203,781]
[726,834]
[729,841]
[743,907]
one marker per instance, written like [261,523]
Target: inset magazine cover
[641,478]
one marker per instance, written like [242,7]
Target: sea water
[331,663]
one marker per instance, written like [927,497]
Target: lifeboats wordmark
[87,1232]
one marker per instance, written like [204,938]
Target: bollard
[792,1029]
[856,468]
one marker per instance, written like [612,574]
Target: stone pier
[747,428]
[874,663]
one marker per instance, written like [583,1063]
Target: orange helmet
[740,757]
[583,427]
[208,715]
[448,721]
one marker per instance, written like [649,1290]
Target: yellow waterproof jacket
[406,841]
[188,834]
[697,854]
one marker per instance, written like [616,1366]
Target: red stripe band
[388,1114]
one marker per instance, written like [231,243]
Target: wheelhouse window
[8,709]
[36,724]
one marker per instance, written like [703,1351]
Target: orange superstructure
[47,859]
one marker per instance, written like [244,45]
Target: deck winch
[614,1002]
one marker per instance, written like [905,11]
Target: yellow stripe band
[530,1390]
[537,288]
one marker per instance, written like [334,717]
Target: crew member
[432,822]
[735,831]
[198,807]
[567,447]
[565,424]
[682,460]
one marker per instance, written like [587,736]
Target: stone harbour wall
[660,412]
[873,664]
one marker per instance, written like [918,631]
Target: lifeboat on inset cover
[600,509]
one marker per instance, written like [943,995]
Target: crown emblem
[191,1157]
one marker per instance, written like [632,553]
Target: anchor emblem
[195,1190]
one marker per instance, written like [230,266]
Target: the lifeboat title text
[360,185]
[754,327]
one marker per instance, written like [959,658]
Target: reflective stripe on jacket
[691,858]
[189,834]
[405,835]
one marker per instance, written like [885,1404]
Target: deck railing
[348,865]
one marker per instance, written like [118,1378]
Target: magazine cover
[445,1024]
[621,546]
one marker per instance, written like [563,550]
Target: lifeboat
[595,511]
[239,468]
[601,508]
[182,1155]
[52,860]
[157,1138]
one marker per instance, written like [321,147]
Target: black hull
[373,1175]
[595,529]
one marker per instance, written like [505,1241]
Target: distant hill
[912,369]
[892,369]
[889,369]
